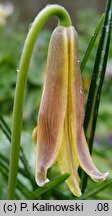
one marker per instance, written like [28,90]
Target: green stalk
[96,84]
[38,23]
[96,72]
[101,186]
[91,43]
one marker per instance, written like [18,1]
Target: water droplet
[107,28]
[48,5]
[17,70]
[100,67]
[98,97]
[78,60]
[81,90]
[98,81]
[103,53]
[30,26]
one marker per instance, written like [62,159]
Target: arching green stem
[38,23]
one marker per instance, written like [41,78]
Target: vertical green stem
[96,84]
[38,23]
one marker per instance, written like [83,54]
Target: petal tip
[41,180]
[42,183]
[105,175]
[99,176]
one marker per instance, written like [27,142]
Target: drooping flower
[59,135]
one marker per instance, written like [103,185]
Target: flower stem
[38,23]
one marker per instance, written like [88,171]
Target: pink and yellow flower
[59,135]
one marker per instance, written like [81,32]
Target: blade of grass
[6,161]
[59,195]
[41,190]
[5,175]
[26,166]
[96,74]
[91,43]
[101,186]
[96,85]
[6,130]
[97,96]
[20,185]
[20,170]
[4,127]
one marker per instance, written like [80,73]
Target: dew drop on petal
[81,90]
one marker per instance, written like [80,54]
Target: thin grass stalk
[101,186]
[59,195]
[95,74]
[20,185]
[4,160]
[91,43]
[96,85]
[52,184]
[5,176]
[99,89]
[6,130]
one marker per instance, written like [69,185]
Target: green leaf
[91,43]
[4,170]
[96,83]
[97,189]
[41,190]
[6,130]
[60,195]
[97,77]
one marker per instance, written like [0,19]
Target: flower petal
[67,160]
[53,105]
[83,154]
[74,150]
[86,162]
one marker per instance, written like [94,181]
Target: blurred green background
[14,25]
